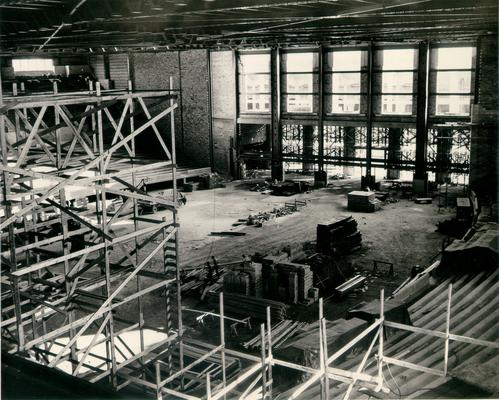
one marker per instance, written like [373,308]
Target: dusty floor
[402,233]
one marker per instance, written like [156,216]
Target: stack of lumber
[236,282]
[249,306]
[362,201]
[304,277]
[280,333]
[245,278]
[338,236]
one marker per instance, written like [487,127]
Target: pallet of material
[338,236]
[362,201]
[250,306]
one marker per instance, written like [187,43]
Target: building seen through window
[452,80]
[345,88]
[300,81]
[397,81]
[254,83]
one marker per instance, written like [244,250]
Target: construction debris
[227,233]
[356,282]
[260,218]
[289,188]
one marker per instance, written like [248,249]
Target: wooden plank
[413,366]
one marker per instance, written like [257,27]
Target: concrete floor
[402,233]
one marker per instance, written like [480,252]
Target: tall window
[300,82]
[451,80]
[42,65]
[397,81]
[254,83]
[343,81]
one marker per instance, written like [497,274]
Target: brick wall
[223,91]
[484,154]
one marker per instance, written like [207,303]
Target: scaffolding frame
[261,367]
[64,283]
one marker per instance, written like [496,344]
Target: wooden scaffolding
[71,273]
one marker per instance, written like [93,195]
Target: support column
[444,147]
[420,181]
[321,110]
[348,148]
[394,152]
[277,170]
[368,180]
[308,148]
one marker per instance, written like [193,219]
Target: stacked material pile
[281,331]
[338,236]
[245,278]
[363,201]
[286,281]
[249,306]
[304,277]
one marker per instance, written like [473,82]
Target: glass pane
[397,59]
[254,83]
[396,104]
[250,63]
[345,104]
[349,82]
[299,103]
[454,82]
[33,65]
[454,57]
[254,103]
[453,105]
[345,60]
[299,83]
[299,62]
[397,82]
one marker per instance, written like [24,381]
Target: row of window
[345,81]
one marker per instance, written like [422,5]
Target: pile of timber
[338,236]
[244,278]
[304,279]
[363,201]
[249,306]
[281,331]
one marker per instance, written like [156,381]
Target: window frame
[329,93]
[377,78]
[283,73]
[433,71]
[241,93]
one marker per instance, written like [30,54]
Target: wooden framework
[70,270]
